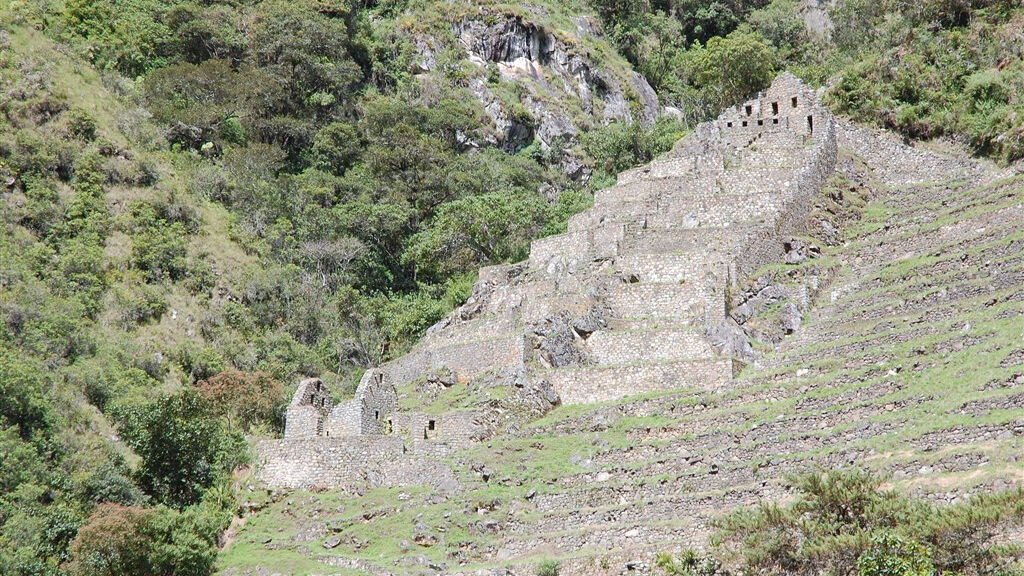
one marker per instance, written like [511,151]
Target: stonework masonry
[632,299]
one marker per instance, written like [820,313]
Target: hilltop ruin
[633,298]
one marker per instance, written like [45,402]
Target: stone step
[673,167]
[574,247]
[609,213]
[540,307]
[661,300]
[598,540]
[586,385]
[673,267]
[617,347]
[465,359]
[657,242]
[719,212]
[463,332]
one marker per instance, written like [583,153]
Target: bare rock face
[558,79]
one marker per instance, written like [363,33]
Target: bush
[81,124]
[843,522]
[184,448]
[548,568]
[121,540]
[159,249]
[891,555]
[113,542]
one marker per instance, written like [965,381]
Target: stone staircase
[643,276]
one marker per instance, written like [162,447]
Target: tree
[196,101]
[335,147]
[113,542]
[732,68]
[244,398]
[475,230]
[183,446]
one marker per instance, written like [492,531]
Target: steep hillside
[203,204]
[888,338]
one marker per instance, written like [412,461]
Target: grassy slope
[83,87]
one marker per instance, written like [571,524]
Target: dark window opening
[430,424]
[744,123]
[775,107]
[760,122]
[810,124]
[775,120]
[794,101]
[750,109]
[728,124]
[376,414]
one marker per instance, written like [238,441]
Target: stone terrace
[642,276]
[910,362]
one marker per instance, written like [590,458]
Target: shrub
[843,522]
[891,555]
[81,124]
[244,398]
[548,568]
[113,542]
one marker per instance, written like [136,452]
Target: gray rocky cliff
[538,84]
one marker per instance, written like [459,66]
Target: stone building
[307,414]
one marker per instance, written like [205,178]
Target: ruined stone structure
[641,280]
[632,299]
[307,414]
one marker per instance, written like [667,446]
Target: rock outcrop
[562,90]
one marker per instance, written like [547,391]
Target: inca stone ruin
[632,299]
[652,317]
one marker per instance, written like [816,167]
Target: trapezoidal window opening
[749,109]
[794,101]
[810,124]
[431,425]
[775,108]
[760,122]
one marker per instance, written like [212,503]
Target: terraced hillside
[907,358]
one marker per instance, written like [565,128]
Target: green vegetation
[548,568]
[924,69]
[199,204]
[844,522]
